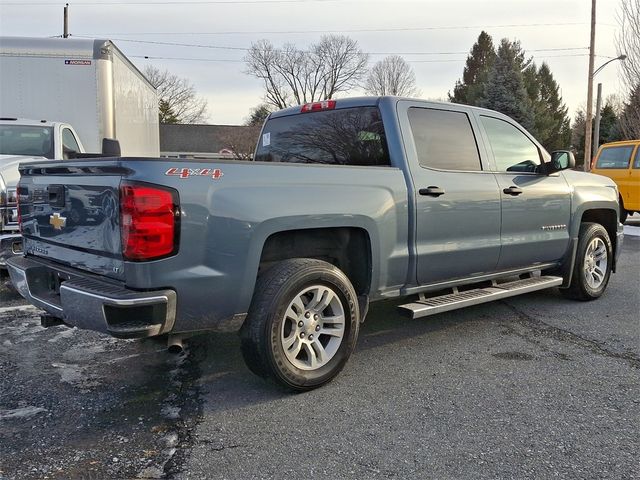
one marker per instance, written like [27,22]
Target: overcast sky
[429,34]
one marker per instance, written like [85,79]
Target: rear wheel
[592,267]
[302,325]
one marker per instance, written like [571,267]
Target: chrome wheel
[313,327]
[595,263]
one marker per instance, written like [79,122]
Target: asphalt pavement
[536,386]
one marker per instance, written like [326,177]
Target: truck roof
[27,121]
[373,101]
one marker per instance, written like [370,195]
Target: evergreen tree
[505,89]
[577,137]
[475,73]
[166,113]
[258,115]
[609,127]
[551,124]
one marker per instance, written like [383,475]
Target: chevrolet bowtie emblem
[57,221]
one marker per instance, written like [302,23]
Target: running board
[453,301]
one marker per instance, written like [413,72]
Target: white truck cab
[23,140]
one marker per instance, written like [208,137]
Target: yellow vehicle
[620,161]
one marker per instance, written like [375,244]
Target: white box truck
[87,83]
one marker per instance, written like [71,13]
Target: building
[206,141]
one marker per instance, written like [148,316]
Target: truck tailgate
[71,215]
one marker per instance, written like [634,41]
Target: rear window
[636,162]
[26,140]
[349,136]
[615,157]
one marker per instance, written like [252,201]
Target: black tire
[580,288]
[262,332]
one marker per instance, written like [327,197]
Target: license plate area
[44,284]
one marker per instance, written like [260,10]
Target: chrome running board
[452,301]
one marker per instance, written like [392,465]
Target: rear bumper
[10,246]
[93,304]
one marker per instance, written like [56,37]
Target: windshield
[26,140]
[349,136]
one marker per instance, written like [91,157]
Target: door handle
[431,191]
[512,191]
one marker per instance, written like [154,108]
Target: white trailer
[87,83]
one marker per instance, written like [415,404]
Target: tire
[282,335]
[592,267]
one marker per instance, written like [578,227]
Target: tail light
[318,106]
[149,221]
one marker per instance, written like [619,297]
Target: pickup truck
[347,202]
[22,140]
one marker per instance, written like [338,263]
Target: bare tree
[392,76]
[178,100]
[241,140]
[628,43]
[292,76]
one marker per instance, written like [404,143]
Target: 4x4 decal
[214,173]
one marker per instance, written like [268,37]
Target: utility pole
[596,127]
[65,28]
[587,125]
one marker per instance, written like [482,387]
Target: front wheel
[302,325]
[592,267]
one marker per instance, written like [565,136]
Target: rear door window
[636,162]
[615,157]
[348,136]
[444,139]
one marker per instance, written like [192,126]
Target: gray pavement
[534,387]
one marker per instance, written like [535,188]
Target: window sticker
[266,139]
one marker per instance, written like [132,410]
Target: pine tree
[551,124]
[505,89]
[609,127]
[475,73]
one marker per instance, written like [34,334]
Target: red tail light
[148,219]
[318,106]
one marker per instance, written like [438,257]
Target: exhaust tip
[175,345]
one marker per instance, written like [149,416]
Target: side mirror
[561,160]
[111,146]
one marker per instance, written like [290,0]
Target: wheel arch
[348,248]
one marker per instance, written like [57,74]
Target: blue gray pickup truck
[346,202]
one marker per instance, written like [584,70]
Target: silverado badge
[57,221]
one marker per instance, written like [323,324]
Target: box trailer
[87,83]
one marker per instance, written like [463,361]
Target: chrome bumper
[93,304]
[10,246]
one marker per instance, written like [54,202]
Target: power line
[149,57]
[224,60]
[245,49]
[353,30]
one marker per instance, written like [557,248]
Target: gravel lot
[532,387]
